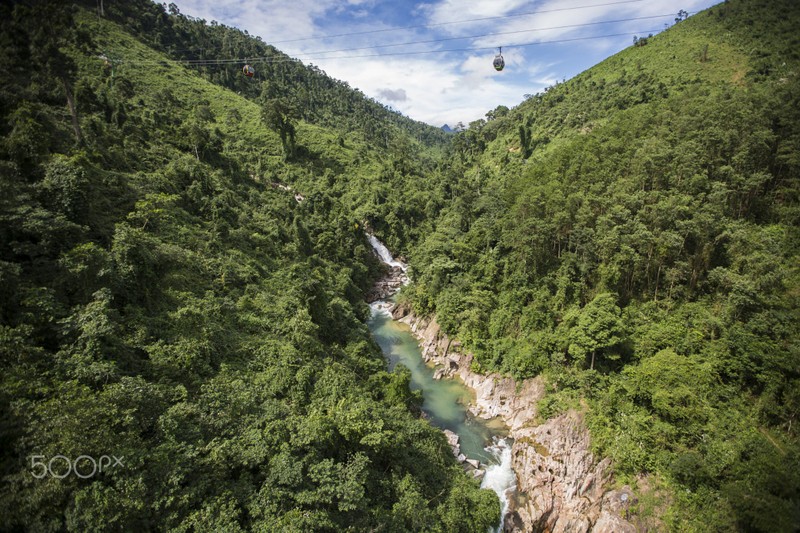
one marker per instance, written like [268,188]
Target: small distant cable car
[499,63]
[248,71]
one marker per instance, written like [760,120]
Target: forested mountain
[633,235]
[183,271]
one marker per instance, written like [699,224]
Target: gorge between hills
[544,475]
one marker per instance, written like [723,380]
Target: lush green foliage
[166,299]
[633,234]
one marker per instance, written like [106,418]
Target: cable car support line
[433,25]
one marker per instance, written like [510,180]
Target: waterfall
[500,477]
[384,253]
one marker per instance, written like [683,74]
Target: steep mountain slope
[183,294]
[212,49]
[633,235]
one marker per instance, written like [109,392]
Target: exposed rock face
[561,486]
[566,488]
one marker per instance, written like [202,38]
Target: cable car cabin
[499,63]
[248,71]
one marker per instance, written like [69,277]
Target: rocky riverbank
[561,486]
[394,278]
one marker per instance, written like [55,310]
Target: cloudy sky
[432,60]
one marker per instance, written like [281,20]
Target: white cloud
[393,95]
[457,10]
[272,20]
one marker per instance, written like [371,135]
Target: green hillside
[318,98]
[168,301]
[632,234]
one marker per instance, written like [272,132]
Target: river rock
[399,311]
[478,474]
[618,502]
[391,282]
[474,463]
[611,523]
[461,458]
[452,438]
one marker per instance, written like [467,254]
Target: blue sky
[423,80]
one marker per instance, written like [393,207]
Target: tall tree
[47,40]
[598,327]
[280,115]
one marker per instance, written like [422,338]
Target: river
[445,401]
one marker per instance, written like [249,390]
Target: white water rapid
[384,253]
[500,477]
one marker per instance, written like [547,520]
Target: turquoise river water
[445,400]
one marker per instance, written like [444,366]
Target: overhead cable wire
[429,41]
[475,49]
[437,24]
[443,39]
[265,59]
